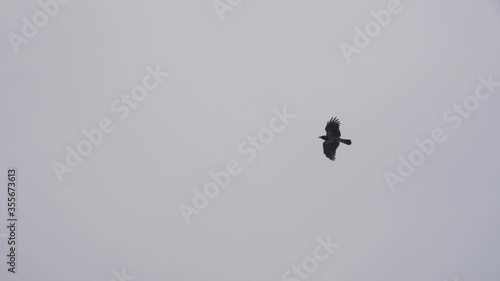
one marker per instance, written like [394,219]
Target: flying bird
[332,139]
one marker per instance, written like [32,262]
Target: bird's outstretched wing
[329,149]
[332,127]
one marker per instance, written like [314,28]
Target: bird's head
[323,137]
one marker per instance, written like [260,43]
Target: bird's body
[332,138]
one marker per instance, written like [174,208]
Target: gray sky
[231,66]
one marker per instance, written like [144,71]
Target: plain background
[119,208]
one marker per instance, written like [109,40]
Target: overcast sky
[172,92]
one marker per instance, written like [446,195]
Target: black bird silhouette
[332,139]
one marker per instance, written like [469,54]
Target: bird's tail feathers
[348,142]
